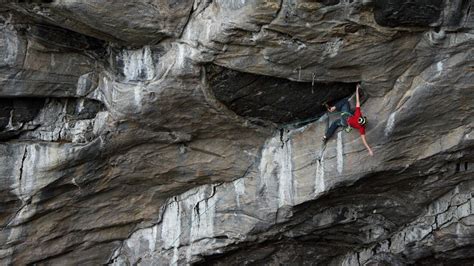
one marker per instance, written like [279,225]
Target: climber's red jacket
[353,121]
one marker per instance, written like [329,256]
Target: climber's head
[330,107]
[362,120]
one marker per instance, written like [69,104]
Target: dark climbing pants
[345,109]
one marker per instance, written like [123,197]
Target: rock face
[189,132]
[134,22]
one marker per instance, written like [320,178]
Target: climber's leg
[332,129]
[343,105]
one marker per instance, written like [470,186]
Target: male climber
[355,120]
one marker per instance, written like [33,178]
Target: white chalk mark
[239,188]
[340,159]
[285,188]
[319,184]
[390,124]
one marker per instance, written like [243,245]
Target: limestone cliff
[174,132]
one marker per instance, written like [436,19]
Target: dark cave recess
[17,115]
[403,13]
[273,99]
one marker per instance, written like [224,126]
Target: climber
[348,119]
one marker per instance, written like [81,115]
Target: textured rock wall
[169,132]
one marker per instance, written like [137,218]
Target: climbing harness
[348,128]
[343,113]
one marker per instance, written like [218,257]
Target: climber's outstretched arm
[366,145]
[357,95]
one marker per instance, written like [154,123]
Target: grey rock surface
[136,22]
[45,61]
[170,133]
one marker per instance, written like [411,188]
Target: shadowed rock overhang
[273,99]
